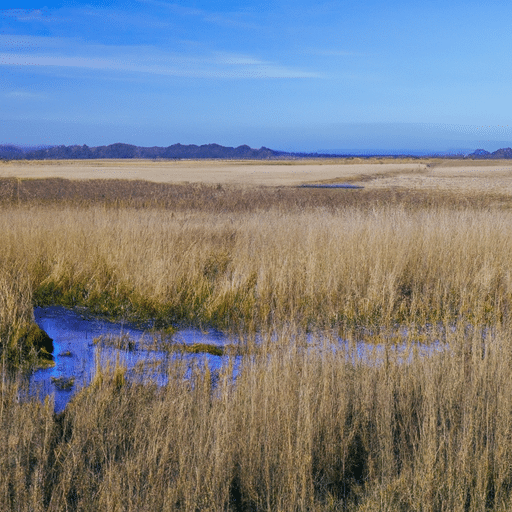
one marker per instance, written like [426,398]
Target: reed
[22,342]
[232,198]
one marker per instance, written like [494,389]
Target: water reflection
[76,354]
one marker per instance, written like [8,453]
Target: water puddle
[330,185]
[81,341]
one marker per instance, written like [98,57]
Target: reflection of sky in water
[76,355]
[377,353]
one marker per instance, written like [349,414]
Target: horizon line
[349,152]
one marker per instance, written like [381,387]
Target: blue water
[76,355]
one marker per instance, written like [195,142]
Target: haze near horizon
[293,76]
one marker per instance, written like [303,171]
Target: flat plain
[488,176]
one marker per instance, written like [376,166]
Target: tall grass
[261,269]
[297,430]
[19,347]
[303,426]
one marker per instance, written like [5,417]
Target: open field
[278,172]
[298,429]
[428,174]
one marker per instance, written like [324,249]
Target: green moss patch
[63,383]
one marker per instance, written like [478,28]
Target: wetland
[259,271]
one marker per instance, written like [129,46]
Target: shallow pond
[79,344]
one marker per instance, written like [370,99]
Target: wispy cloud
[26,14]
[73,53]
[232,19]
[26,95]
[29,44]
[237,59]
[207,69]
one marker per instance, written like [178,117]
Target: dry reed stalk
[303,427]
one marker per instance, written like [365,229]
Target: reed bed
[303,426]
[224,198]
[297,430]
[368,265]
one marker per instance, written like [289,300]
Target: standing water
[81,341]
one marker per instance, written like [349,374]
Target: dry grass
[297,430]
[278,172]
[300,428]
[16,317]
[232,198]
[248,259]
[493,176]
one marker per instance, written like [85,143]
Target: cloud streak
[26,14]
[26,95]
[72,53]
[207,70]
[223,19]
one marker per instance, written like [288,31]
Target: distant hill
[498,154]
[10,152]
[206,151]
[120,150]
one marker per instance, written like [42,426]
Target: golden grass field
[438,174]
[423,253]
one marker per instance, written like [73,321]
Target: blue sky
[292,75]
